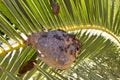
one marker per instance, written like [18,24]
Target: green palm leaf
[79,17]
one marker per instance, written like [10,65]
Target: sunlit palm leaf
[29,16]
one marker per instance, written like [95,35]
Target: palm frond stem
[73,28]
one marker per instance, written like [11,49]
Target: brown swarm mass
[56,48]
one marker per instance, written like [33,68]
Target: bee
[55,8]
[56,48]
[29,65]
[1,68]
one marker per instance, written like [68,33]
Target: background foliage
[100,56]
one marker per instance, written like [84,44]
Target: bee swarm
[56,48]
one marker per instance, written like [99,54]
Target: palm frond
[30,16]
[89,51]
